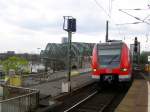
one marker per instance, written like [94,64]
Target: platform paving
[136,99]
[54,88]
[36,79]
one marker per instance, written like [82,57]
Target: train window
[109,57]
[109,52]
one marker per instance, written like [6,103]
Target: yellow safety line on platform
[74,73]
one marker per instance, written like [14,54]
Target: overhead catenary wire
[146,17]
[100,6]
[137,18]
[129,23]
[119,31]
[110,7]
[110,11]
[137,9]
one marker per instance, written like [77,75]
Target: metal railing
[18,99]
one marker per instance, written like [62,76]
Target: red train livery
[111,62]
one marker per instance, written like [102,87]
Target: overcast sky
[26,25]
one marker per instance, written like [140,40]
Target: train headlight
[94,70]
[124,69]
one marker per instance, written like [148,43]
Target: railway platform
[137,98]
[53,88]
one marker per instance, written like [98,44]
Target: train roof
[111,45]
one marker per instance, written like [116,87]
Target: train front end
[111,62]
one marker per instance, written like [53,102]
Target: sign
[65,86]
[148,58]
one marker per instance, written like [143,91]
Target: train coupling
[108,79]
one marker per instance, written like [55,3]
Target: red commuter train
[111,62]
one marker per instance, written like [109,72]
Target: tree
[16,63]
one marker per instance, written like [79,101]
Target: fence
[18,99]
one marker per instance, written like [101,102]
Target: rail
[18,99]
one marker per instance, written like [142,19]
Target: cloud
[29,24]
[36,25]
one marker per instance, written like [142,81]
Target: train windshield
[109,57]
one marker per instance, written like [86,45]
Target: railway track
[90,100]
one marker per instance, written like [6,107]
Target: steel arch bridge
[55,55]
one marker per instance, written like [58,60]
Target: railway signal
[69,25]
[135,45]
[136,51]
